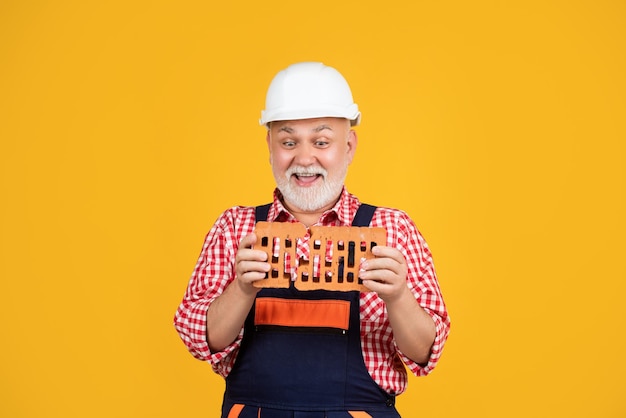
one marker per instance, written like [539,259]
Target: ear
[267,140]
[352,143]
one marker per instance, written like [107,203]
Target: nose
[305,156]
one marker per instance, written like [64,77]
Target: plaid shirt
[215,271]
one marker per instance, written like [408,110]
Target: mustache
[310,170]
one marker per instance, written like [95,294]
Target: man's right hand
[227,314]
[250,265]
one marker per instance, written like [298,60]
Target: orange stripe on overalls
[235,410]
[359,414]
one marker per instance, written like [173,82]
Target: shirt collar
[344,210]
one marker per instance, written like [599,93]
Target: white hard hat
[309,90]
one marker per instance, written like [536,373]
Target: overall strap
[363,215]
[262,212]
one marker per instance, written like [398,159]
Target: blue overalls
[304,371]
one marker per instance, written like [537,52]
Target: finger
[381,251]
[379,276]
[248,266]
[251,271]
[376,286]
[252,276]
[376,266]
[248,241]
[245,251]
[250,255]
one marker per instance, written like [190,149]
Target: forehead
[313,125]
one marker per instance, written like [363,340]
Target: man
[313,371]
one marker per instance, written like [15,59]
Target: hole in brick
[328,276]
[340,269]
[340,245]
[316,268]
[286,263]
[329,251]
[351,246]
[275,248]
[264,242]
[350,277]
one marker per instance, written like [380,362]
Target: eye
[289,144]
[321,143]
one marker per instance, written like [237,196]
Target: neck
[308,218]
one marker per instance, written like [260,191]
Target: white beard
[310,199]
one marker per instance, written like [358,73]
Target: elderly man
[313,368]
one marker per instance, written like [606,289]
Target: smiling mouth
[306,178]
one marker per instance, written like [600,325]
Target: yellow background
[127,127]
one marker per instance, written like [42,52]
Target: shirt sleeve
[423,283]
[213,272]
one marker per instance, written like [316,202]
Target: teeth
[311,172]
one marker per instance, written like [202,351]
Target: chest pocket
[301,314]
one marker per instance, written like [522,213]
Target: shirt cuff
[441,334]
[222,361]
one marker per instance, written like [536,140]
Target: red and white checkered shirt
[215,271]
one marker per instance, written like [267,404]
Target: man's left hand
[386,273]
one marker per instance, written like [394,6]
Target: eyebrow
[319,128]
